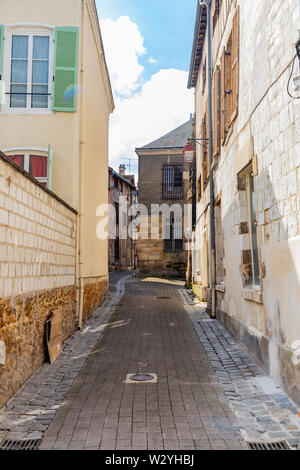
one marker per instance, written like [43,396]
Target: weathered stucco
[266,134]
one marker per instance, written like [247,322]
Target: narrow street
[208,395]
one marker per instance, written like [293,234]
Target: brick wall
[37,272]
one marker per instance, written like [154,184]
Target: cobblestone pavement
[209,394]
[185,409]
[29,412]
[264,412]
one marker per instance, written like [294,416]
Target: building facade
[54,115]
[56,102]
[252,276]
[122,240]
[163,184]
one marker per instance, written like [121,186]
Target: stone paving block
[186,444]
[171,444]
[203,396]
[123,444]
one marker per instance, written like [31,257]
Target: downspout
[207,3]
[299,18]
[80,179]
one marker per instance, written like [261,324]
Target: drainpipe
[80,296]
[299,18]
[207,3]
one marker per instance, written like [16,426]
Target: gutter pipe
[207,3]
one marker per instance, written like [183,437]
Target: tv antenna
[129,163]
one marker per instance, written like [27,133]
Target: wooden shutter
[204,149]
[235,67]
[223,98]
[1,49]
[216,111]
[207,143]
[218,106]
[214,93]
[65,69]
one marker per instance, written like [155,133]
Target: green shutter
[49,168]
[1,49]
[65,69]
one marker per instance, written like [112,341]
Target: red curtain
[38,166]
[18,159]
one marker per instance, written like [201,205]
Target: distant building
[122,243]
[163,180]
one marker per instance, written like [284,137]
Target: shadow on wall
[261,303]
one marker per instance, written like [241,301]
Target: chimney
[122,170]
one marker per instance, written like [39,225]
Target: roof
[122,178]
[103,63]
[174,139]
[199,37]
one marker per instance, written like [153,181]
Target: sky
[148,45]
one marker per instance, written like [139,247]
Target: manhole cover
[141,377]
[282,445]
[30,444]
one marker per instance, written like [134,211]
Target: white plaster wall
[268,32]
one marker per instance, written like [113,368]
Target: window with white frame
[35,165]
[29,76]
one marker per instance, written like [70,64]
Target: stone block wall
[37,273]
[152,259]
[95,290]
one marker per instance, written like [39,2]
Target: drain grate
[29,444]
[282,445]
[141,377]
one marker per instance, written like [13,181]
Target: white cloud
[144,110]
[163,103]
[123,45]
[151,60]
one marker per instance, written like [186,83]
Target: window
[204,72]
[205,148]
[219,244]
[173,242]
[248,229]
[230,79]
[39,68]
[216,13]
[253,228]
[117,249]
[217,111]
[29,71]
[35,165]
[172,182]
[199,188]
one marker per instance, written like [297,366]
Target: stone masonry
[37,276]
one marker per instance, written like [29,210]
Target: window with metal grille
[172,182]
[173,238]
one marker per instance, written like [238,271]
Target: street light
[189,153]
